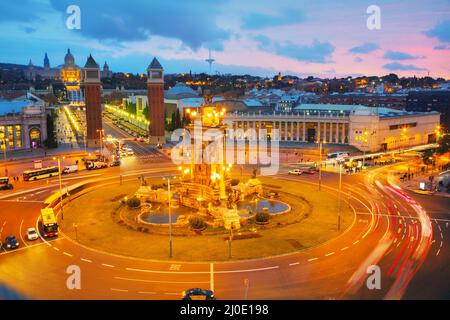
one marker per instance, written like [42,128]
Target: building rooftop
[13,106]
[355,109]
[155,64]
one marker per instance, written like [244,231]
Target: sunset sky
[320,38]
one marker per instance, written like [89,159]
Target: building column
[14,136]
[331,132]
[297,137]
[325,132]
[318,137]
[343,133]
[336,134]
[304,131]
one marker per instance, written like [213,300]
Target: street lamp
[5,158]
[168,178]
[101,132]
[84,140]
[60,185]
[339,198]
[320,161]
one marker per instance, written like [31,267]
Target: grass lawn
[92,213]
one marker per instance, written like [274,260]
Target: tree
[444,144]
[145,111]
[51,138]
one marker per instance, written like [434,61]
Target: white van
[70,169]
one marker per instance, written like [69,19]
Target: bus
[49,225]
[31,175]
[339,156]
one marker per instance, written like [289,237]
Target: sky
[324,38]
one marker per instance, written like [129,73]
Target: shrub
[197,223]
[262,217]
[133,202]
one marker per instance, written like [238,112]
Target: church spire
[46,61]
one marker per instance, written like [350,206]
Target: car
[115,163]
[159,146]
[6,186]
[296,172]
[310,170]
[32,234]
[70,169]
[198,294]
[11,242]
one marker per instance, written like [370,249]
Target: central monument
[155,95]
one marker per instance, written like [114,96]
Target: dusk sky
[320,38]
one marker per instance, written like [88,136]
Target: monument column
[91,81]
[155,95]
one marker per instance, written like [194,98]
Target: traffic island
[101,220]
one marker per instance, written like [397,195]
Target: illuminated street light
[168,178]
[60,185]
[5,158]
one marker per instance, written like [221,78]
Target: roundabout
[98,219]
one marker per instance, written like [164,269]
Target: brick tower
[91,81]
[155,95]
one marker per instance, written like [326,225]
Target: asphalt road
[405,235]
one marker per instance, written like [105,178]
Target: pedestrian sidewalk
[413,184]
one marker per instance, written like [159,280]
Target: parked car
[11,242]
[32,234]
[296,172]
[198,294]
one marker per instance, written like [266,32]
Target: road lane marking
[294,263]
[20,234]
[344,248]
[119,290]
[329,254]
[67,254]
[171,293]
[211,278]
[146,292]
[159,281]
[356,242]
[313,259]
[203,272]
[108,265]
[86,260]
[437,253]
[57,249]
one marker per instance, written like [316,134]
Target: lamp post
[101,132]
[5,158]
[320,162]
[339,198]
[60,185]
[168,178]
[84,140]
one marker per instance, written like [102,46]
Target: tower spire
[210,61]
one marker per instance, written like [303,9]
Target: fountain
[205,187]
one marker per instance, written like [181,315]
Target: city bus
[49,224]
[339,156]
[31,175]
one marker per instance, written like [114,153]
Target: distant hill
[15,67]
